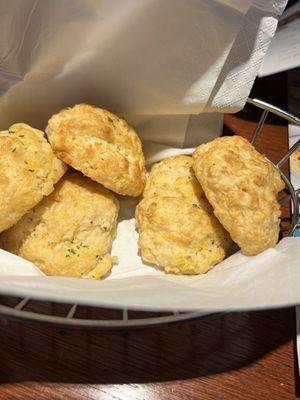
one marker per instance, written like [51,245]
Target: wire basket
[66,315]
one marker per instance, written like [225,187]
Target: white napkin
[155,62]
[270,279]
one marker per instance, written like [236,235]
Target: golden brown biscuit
[70,232]
[100,145]
[29,169]
[180,236]
[295,161]
[173,177]
[242,186]
[177,228]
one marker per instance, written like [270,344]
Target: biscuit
[173,177]
[242,186]
[180,236]
[100,145]
[177,229]
[29,169]
[70,232]
[295,161]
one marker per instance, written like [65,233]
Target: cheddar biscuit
[70,232]
[29,169]
[242,187]
[180,236]
[177,229]
[100,145]
[174,177]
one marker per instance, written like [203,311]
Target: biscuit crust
[173,177]
[242,186]
[177,229]
[180,236]
[29,169]
[70,232]
[100,145]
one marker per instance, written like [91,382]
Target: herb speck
[111,121]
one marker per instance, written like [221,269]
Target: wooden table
[248,355]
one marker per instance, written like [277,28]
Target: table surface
[248,355]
